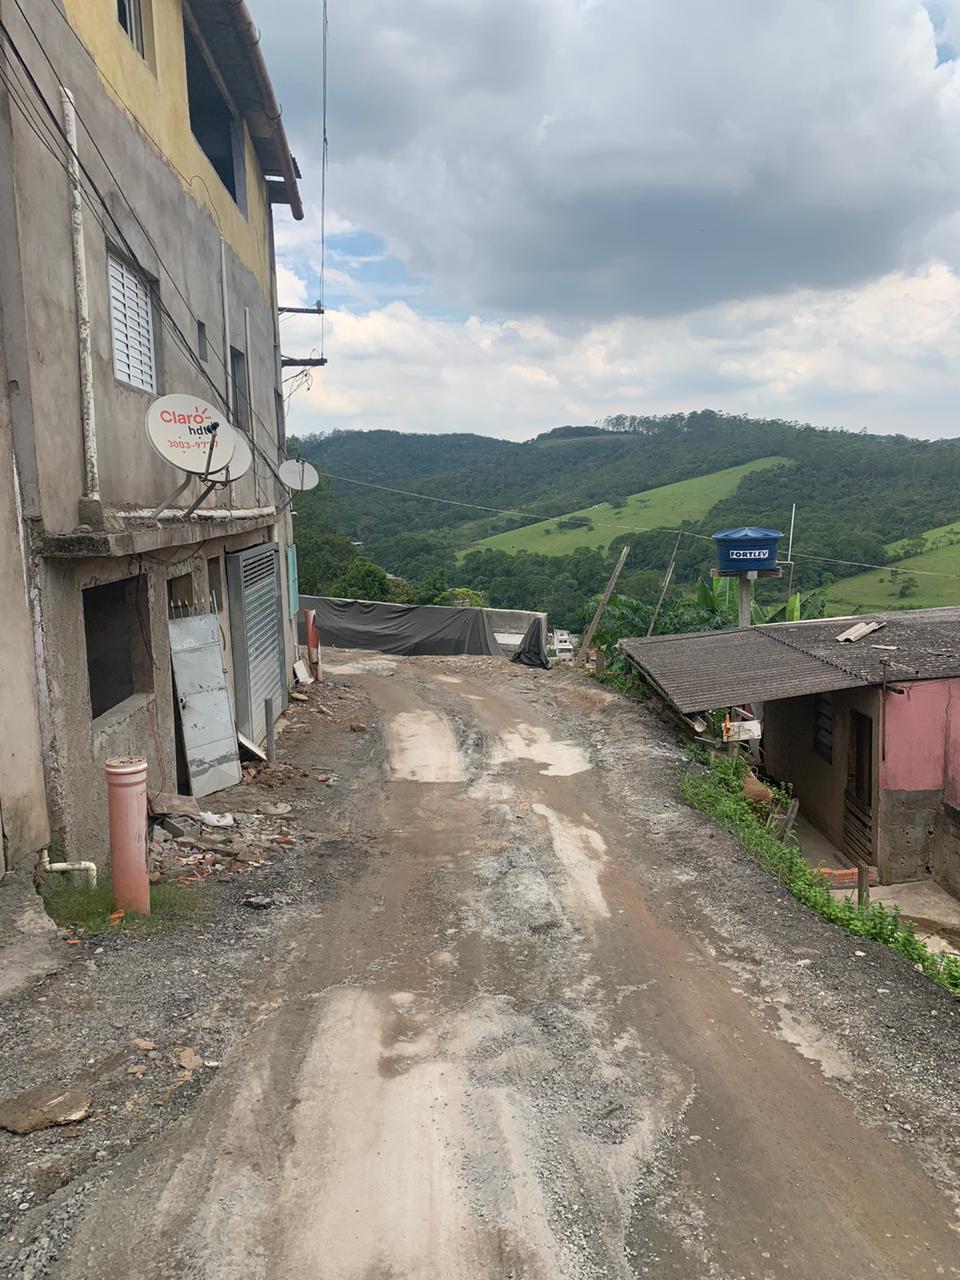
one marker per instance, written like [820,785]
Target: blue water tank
[740,550]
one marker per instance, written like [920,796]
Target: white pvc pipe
[248,389]
[87,869]
[225,304]
[88,418]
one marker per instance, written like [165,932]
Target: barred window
[131,320]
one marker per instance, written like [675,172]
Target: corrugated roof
[701,670]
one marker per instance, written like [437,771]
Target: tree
[363,580]
[564,602]
[462,598]
[322,558]
[426,589]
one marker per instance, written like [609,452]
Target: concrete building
[867,732]
[143,267]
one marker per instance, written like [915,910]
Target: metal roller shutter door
[256,626]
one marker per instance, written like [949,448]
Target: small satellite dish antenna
[296,473]
[190,434]
[193,437]
[242,459]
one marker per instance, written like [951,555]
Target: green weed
[717,790]
[79,907]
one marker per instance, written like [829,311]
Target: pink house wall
[922,739]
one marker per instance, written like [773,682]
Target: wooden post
[863,885]
[666,582]
[604,600]
[271,743]
[745,597]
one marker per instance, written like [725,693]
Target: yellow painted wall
[153,93]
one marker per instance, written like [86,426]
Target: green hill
[417,503]
[665,506]
[904,584]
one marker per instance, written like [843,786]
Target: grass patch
[78,907]
[896,587]
[668,505]
[717,791]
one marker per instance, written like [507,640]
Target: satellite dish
[298,474]
[242,459]
[181,429]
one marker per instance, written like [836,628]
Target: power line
[323,180]
[625,528]
[166,316]
[172,324]
[35,123]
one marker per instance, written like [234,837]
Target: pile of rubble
[191,845]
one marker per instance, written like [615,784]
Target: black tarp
[416,629]
[402,628]
[531,652]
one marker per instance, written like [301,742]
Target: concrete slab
[934,911]
[817,850]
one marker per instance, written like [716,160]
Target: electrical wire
[686,533]
[34,122]
[323,178]
[166,316]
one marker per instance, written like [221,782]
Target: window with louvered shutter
[131,320]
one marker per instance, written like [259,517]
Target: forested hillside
[855,495]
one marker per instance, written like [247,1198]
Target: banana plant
[798,607]
[716,598]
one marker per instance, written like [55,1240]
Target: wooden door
[858,797]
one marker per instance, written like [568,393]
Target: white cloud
[638,206]
[885,356]
[582,161]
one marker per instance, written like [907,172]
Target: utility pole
[604,601]
[746,596]
[793,518]
[666,582]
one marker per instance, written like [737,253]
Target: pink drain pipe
[127,803]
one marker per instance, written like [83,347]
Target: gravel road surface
[543,1022]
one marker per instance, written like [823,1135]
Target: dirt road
[553,1027]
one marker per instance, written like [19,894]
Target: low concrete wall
[906,822]
[509,623]
[945,849]
[506,624]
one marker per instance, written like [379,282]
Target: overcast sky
[545,211]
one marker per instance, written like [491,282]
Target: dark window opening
[212,122]
[215,583]
[823,727]
[116,624]
[238,380]
[180,596]
[130,17]
[202,349]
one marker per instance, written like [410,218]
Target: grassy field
[666,507]
[903,585]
